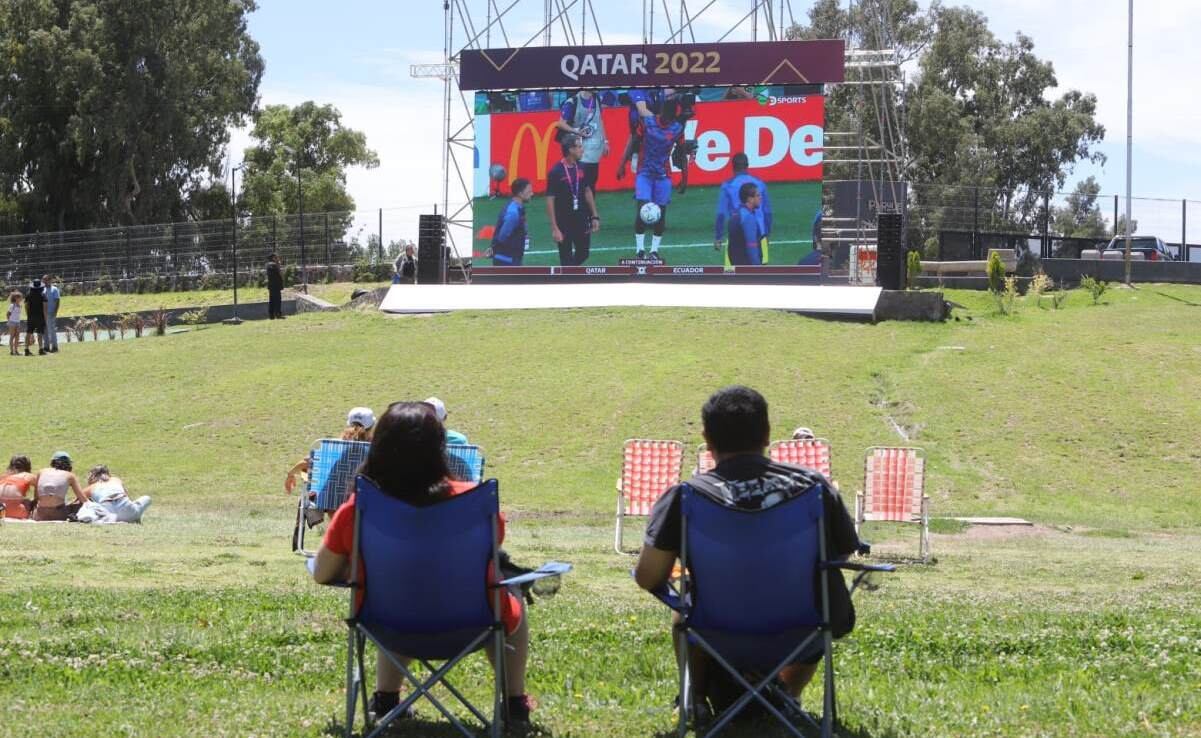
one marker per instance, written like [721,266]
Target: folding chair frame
[766,684]
[618,540]
[466,461]
[923,516]
[773,451]
[704,459]
[359,634]
[304,504]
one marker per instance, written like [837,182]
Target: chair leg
[925,540]
[685,699]
[361,678]
[830,705]
[500,705]
[617,529]
[352,684]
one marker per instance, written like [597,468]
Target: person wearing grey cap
[452,436]
[53,482]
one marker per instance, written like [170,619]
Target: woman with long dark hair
[407,461]
[53,483]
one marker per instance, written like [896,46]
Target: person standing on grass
[275,288]
[13,323]
[52,297]
[35,317]
[736,428]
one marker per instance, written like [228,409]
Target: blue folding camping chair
[754,599]
[429,613]
[332,466]
[466,462]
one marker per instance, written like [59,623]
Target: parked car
[1151,247]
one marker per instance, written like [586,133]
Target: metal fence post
[380,244]
[976,224]
[1115,216]
[128,257]
[1045,246]
[1184,230]
[328,259]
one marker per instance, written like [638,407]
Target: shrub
[996,273]
[1039,284]
[161,319]
[913,269]
[1006,299]
[1095,288]
[105,285]
[194,317]
[1058,296]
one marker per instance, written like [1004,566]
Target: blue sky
[356,55]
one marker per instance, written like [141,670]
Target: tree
[1080,216]
[308,139]
[115,111]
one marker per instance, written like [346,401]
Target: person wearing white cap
[802,434]
[359,422]
[452,436]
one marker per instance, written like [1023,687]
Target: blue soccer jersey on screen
[728,204]
[745,236]
[654,155]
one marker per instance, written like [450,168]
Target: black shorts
[36,324]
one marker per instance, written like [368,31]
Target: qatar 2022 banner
[677,180]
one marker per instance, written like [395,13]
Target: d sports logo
[764,98]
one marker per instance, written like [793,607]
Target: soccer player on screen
[728,203]
[658,135]
[509,237]
[745,233]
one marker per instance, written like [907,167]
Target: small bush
[913,269]
[161,319]
[996,273]
[1058,296]
[1095,288]
[1039,284]
[1006,299]
[194,317]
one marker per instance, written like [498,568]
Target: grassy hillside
[200,622]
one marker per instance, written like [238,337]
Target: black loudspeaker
[890,262]
[432,253]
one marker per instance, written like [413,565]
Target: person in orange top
[14,485]
[407,460]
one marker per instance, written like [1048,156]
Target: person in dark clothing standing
[275,288]
[35,317]
[570,205]
[510,236]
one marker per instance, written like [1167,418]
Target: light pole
[304,270]
[1129,125]
[233,192]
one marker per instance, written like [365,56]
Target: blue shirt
[654,156]
[508,241]
[728,204]
[744,236]
[52,298]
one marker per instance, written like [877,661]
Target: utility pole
[1129,125]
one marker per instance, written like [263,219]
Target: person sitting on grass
[14,488]
[735,425]
[52,485]
[407,461]
[108,502]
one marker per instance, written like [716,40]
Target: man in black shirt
[736,428]
[570,204]
[35,317]
[275,288]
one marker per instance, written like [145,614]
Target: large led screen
[714,177]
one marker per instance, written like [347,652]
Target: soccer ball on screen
[496,172]
[650,213]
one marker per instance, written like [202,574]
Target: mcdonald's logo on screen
[527,139]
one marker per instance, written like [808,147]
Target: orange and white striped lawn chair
[811,453]
[648,469]
[704,459]
[894,483]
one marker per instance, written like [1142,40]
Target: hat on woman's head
[63,455]
[439,408]
[361,416]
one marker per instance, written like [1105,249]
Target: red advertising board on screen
[781,136]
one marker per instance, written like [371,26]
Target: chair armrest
[858,566]
[549,569]
[667,595]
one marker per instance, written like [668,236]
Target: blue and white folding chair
[466,462]
[429,613]
[754,600]
[332,466]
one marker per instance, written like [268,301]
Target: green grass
[337,293]
[689,235]
[200,622]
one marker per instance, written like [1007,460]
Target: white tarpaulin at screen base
[825,299]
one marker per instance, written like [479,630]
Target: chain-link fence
[957,223]
[209,252]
